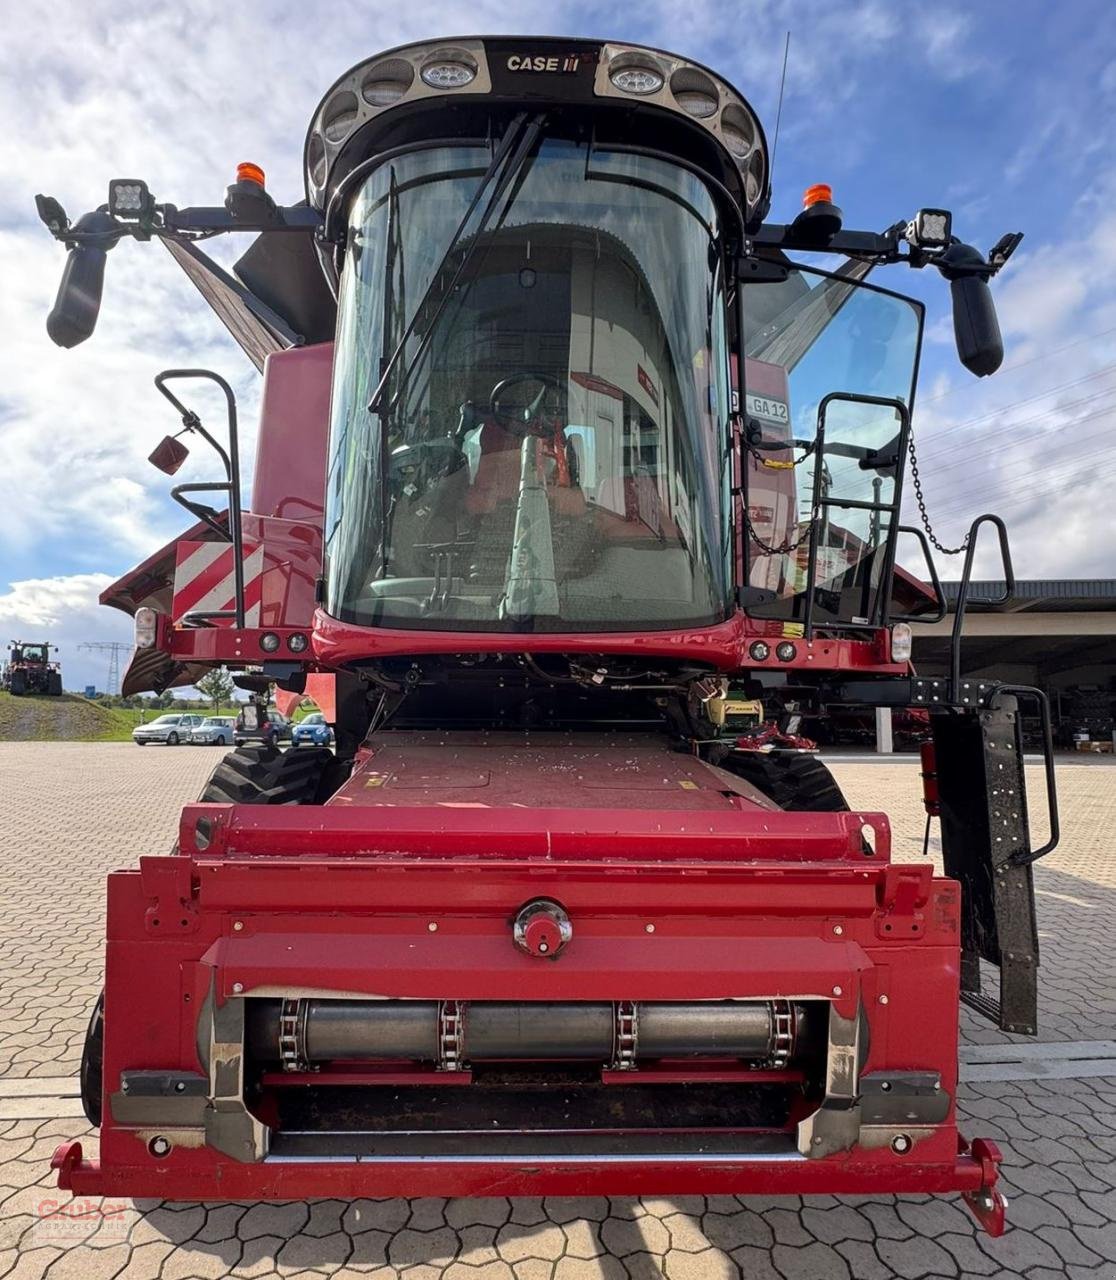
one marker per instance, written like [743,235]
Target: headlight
[449,73]
[637,78]
[147,626]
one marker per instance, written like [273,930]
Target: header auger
[566,471]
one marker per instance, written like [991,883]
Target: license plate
[768,409]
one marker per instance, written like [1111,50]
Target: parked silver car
[214,731]
[170,729]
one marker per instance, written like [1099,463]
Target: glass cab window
[552,457]
[823,467]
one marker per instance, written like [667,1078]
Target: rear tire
[93,1064]
[172,739]
[797,782]
[18,684]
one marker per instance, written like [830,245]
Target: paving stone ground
[71,812]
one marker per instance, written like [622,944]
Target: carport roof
[1046,595]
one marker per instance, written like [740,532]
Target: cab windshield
[553,454]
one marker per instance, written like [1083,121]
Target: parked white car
[170,729]
[214,731]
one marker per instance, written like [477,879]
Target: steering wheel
[520,419]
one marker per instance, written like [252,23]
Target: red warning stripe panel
[204,580]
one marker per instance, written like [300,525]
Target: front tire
[172,739]
[259,774]
[795,781]
[219,741]
[93,1064]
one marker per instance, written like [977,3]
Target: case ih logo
[540,62]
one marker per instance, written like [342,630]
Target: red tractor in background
[29,669]
[564,462]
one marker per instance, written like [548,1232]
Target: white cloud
[46,602]
[64,611]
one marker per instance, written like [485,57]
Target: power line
[1016,404]
[1023,364]
[929,462]
[114,648]
[1042,478]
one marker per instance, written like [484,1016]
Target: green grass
[71,718]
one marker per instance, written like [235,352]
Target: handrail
[935,581]
[231,461]
[1025,857]
[963,600]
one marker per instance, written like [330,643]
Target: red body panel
[289,478]
[404,887]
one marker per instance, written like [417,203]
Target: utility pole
[114,648]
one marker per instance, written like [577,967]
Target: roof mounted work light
[930,229]
[130,199]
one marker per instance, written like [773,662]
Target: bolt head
[238,925]
[838,930]
[238,987]
[883,1000]
[648,928]
[901,1144]
[159,1146]
[432,927]
[838,991]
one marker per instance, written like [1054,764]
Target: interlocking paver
[75,811]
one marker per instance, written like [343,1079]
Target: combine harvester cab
[565,469]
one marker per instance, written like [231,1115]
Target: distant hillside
[66,719]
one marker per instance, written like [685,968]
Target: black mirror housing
[74,316]
[980,348]
[976,330]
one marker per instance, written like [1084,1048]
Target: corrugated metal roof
[1046,595]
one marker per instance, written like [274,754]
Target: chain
[785,547]
[920,499]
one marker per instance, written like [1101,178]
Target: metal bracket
[987,1205]
[903,891]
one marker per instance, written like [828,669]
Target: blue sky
[1000,111]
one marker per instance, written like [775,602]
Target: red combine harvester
[563,464]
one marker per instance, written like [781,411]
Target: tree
[217,685]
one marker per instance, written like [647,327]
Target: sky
[999,111]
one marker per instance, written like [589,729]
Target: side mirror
[976,330]
[168,455]
[78,303]
[975,327]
